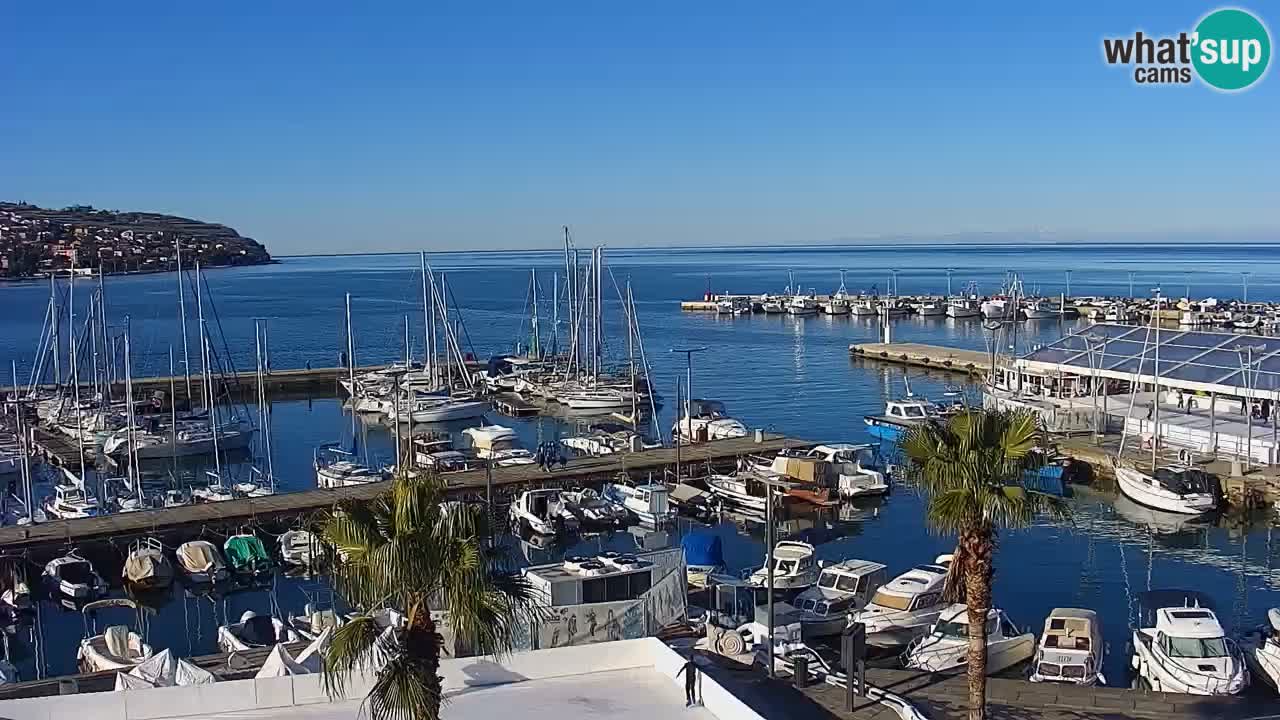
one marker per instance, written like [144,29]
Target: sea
[782,374]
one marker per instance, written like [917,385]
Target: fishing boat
[864,306]
[706,420]
[795,566]
[1180,647]
[1071,649]
[1040,309]
[931,308]
[842,589]
[201,562]
[497,444]
[648,503]
[963,307]
[772,305]
[74,576]
[802,305]
[946,645]
[246,555]
[255,631]
[904,609]
[593,510]
[899,416]
[837,304]
[1262,650]
[299,548]
[543,511]
[118,647]
[147,567]
[436,452]
[69,502]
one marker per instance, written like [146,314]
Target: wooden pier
[512,405]
[974,363]
[58,449]
[581,471]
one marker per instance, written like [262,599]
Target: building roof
[1191,359]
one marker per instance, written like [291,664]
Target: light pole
[688,386]
[992,326]
[1131,274]
[1245,353]
[949,271]
[1244,280]
[1068,283]
[1093,343]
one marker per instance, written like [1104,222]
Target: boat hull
[1133,485]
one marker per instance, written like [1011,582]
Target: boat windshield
[893,602]
[914,411]
[1196,647]
[952,629]
[786,567]
[827,580]
[850,583]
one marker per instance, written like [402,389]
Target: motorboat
[1040,309]
[201,562]
[963,307]
[299,548]
[864,306]
[706,420]
[802,305]
[1247,322]
[544,511]
[70,502]
[74,576]
[742,490]
[602,398]
[795,566]
[906,607]
[899,416]
[163,670]
[1071,649]
[837,304]
[1262,650]
[931,308]
[438,408]
[946,645]
[497,444]
[772,306]
[314,621]
[703,556]
[1174,489]
[593,510]
[856,470]
[1180,647]
[842,589]
[436,452]
[186,438]
[608,439]
[336,467]
[118,647]
[213,492]
[246,555]
[147,567]
[648,503]
[995,308]
[893,307]
[255,631]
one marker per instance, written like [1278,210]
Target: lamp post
[1131,274]
[1093,343]
[688,386]
[992,326]
[1244,281]
[1245,354]
[396,374]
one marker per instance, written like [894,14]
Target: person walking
[690,672]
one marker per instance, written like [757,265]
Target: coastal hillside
[37,241]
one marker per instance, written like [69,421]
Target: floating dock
[59,450]
[512,405]
[974,363]
[580,471]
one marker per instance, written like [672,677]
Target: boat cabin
[610,577]
[953,624]
[841,588]
[794,566]
[1071,648]
[709,409]
[909,410]
[72,501]
[917,589]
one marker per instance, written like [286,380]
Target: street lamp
[688,385]
[1244,280]
[992,326]
[1131,274]
[949,271]
[1093,343]
[1245,354]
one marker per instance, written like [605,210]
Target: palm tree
[971,467]
[410,550]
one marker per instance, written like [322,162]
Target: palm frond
[350,650]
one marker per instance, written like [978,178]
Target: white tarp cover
[191,674]
[145,564]
[198,556]
[163,670]
[312,656]
[125,681]
[280,664]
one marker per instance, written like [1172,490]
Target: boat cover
[312,657]
[163,670]
[260,630]
[702,548]
[246,551]
[280,664]
[117,640]
[198,556]
[147,564]
[76,572]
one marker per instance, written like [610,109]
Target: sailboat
[334,466]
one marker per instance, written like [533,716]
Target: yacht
[201,562]
[857,469]
[336,467]
[591,509]
[1071,649]
[1262,650]
[255,631]
[651,504]
[74,576]
[946,645]
[802,305]
[189,437]
[1180,647]
[544,511]
[900,416]
[963,307]
[842,589]
[902,610]
[71,501]
[794,567]
[1174,489]
[118,647]
[497,444]
[146,567]
[742,490]
[706,420]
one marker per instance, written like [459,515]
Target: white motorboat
[1262,650]
[69,502]
[190,437]
[795,566]
[498,444]
[592,509]
[995,308]
[838,304]
[74,576]
[946,645]
[1175,489]
[338,468]
[163,670]
[1180,647]
[963,307]
[1071,649]
[931,308]
[441,408]
[254,631]
[436,452]
[893,307]
[608,439]
[904,609]
[314,621]
[118,647]
[742,490]
[1040,309]
[651,504]
[864,306]
[772,306]
[147,567]
[201,562]
[706,420]
[855,468]
[544,511]
[802,305]
[842,589]
[299,548]
[604,398]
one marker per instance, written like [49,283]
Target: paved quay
[974,363]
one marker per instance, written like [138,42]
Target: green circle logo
[1232,49]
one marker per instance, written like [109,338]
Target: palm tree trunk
[977,545]
[424,641]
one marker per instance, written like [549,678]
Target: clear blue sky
[343,127]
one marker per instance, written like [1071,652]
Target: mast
[75,370]
[173,414]
[406,342]
[182,314]
[264,412]
[351,368]
[631,350]
[537,337]
[134,483]
[57,336]
[555,313]
[428,323]
[206,393]
[213,416]
[448,331]
[1155,414]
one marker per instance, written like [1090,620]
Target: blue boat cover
[702,547]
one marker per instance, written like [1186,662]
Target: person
[1181,400]
[690,672]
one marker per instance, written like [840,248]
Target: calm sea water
[788,375]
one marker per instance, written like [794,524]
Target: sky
[338,127]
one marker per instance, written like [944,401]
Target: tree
[971,468]
[411,550]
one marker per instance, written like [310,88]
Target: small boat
[838,304]
[299,548]
[499,445]
[336,467]
[201,562]
[147,567]
[591,509]
[608,439]
[995,308]
[742,490]
[74,576]
[314,621]
[70,502]
[904,609]
[255,631]
[802,305]
[794,567]
[246,555]
[931,308]
[1174,489]
[1180,647]
[187,438]
[864,306]
[1040,309]
[163,670]
[893,307]
[1262,650]
[438,408]
[706,420]
[436,451]
[603,398]
[649,503]
[1071,649]
[118,647]
[900,416]
[856,470]
[946,645]
[1247,322]
[772,306]
[544,511]
[963,307]
[842,589]
[703,556]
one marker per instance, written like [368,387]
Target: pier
[973,363]
[580,471]
[57,449]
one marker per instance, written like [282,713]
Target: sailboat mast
[264,412]
[182,314]
[428,323]
[131,472]
[406,342]
[555,313]
[351,368]
[206,393]
[1155,414]
[57,336]
[173,414]
[205,380]
[75,370]
[537,337]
